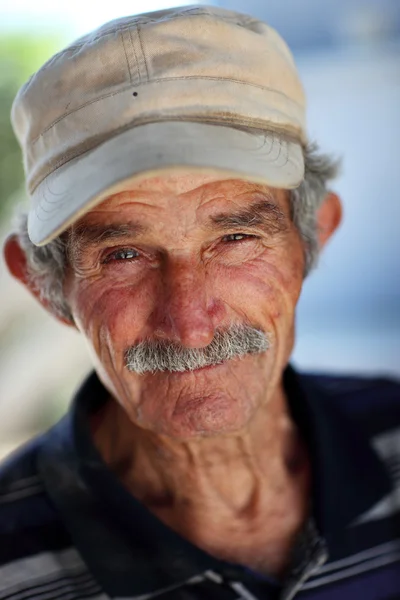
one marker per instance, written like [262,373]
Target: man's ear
[15,260]
[329,216]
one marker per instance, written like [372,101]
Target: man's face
[177,259]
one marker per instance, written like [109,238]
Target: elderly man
[176,208]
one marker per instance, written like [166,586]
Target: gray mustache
[235,342]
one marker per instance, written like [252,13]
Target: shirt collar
[130,552]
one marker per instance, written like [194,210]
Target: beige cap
[192,87]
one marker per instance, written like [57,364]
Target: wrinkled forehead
[182,181]
[195,190]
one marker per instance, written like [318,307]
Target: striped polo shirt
[69,530]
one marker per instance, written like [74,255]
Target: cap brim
[82,183]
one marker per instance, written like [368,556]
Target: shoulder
[37,556]
[348,385]
[371,405]
[19,467]
[373,400]
[19,478]
[29,523]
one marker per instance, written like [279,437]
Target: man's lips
[194,371]
[208,367]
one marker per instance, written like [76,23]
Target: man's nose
[183,312]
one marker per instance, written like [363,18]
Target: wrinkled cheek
[284,298]
[111,318]
[274,295]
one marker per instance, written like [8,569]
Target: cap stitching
[126,56]
[197,12]
[136,58]
[141,47]
[124,89]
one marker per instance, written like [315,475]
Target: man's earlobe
[15,260]
[329,217]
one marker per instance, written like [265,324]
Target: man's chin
[208,415]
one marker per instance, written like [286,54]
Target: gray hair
[47,264]
[151,356]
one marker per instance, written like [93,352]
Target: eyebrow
[92,234]
[263,214]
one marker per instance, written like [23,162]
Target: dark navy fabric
[69,529]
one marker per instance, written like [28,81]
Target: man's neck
[251,488]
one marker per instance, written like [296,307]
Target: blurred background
[348,318]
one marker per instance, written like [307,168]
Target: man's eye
[121,255]
[236,237]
